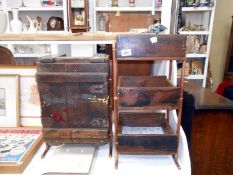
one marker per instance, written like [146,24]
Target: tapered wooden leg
[110,145]
[175,158]
[45,151]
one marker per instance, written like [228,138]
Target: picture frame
[30,110]
[18,145]
[25,72]
[9,100]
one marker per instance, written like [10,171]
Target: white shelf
[194,32]
[121,9]
[195,77]
[195,55]
[196,9]
[158,9]
[55,8]
[31,55]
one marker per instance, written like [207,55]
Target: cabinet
[74,95]
[139,127]
[198,29]
[78,15]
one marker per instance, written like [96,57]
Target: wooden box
[165,142]
[141,92]
[74,96]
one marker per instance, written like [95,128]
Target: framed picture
[9,100]
[18,146]
[29,101]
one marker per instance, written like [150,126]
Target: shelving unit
[136,96]
[200,16]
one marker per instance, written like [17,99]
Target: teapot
[33,25]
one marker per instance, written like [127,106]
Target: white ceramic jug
[33,27]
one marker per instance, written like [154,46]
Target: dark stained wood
[141,119]
[205,99]
[74,96]
[150,45]
[148,97]
[146,91]
[71,77]
[147,144]
[137,68]
[6,57]
[211,138]
[212,143]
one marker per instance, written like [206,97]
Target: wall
[220,39]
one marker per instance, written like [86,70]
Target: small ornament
[132,3]
[114,3]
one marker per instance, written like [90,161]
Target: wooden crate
[74,96]
[147,143]
[145,92]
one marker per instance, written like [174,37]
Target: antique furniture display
[139,127]
[74,95]
[78,15]
[229,63]
[211,137]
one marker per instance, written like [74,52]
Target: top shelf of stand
[54,8]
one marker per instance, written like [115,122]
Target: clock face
[53,23]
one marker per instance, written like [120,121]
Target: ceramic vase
[15,24]
[3,20]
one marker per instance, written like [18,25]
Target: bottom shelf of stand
[145,133]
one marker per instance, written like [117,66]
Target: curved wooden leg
[175,158]
[45,151]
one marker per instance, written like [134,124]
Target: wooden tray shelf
[147,143]
[147,92]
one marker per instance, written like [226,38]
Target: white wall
[220,39]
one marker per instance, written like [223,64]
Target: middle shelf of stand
[146,93]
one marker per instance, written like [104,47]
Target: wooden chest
[74,96]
